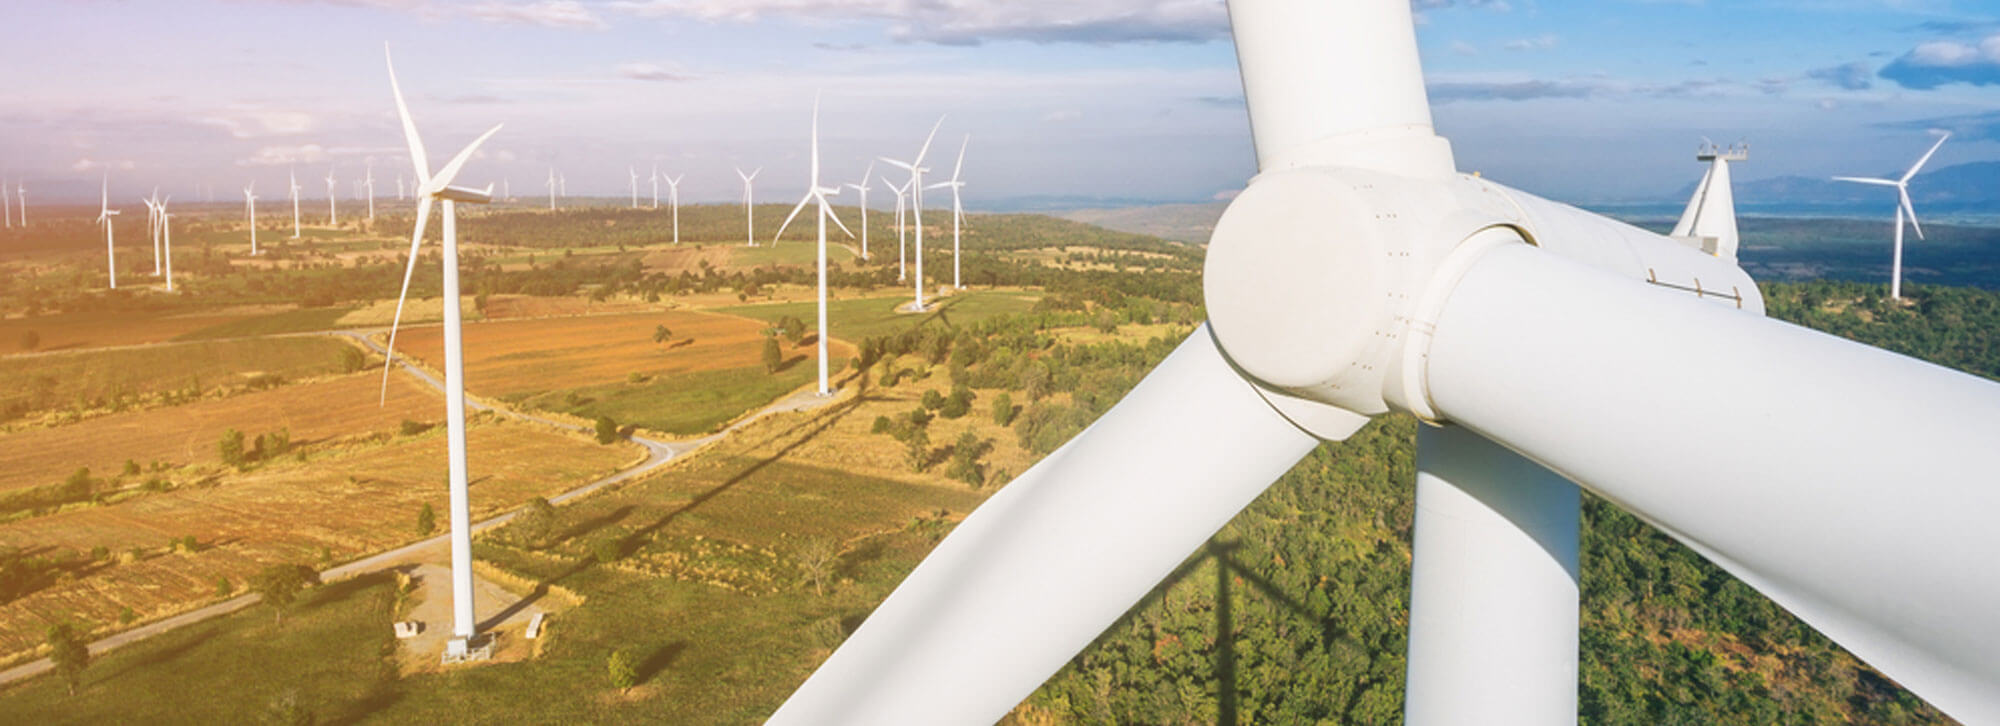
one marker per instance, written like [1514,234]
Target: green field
[93,378]
[856,319]
[291,321]
[795,251]
[688,404]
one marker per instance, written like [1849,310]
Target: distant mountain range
[1973,187]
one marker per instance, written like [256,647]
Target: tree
[1035,381]
[932,400]
[280,584]
[223,588]
[427,519]
[68,653]
[817,556]
[958,404]
[917,448]
[623,675]
[1003,409]
[661,334]
[231,448]
[607,430]
[535,523]
[773,355]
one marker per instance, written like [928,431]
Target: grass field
[290,321]
[513,357]
[188,434]
[353,500]
[70,331]
[858,318]
[687,403]
[61,379]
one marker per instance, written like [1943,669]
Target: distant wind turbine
[464,628]
[562,182]
[635,185]
[167,240]
[674,198]
[104,215]
[552,188]
[22,192]
[815,192]
[332,191]
[1903,207]
[295,203]
[957,211]
[250,210]
[399,187]
[902,257]
[656,186]
[153,226]
[368,182]
[916,169]
[863,189]
[749,210]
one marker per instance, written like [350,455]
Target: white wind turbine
[21,192]
[916,169]
[104,215]
[438,188]
[153,226]
[399,187]
[552,189]
[817,193]
[635,185]
[368,183]
[749,210]
[250,212]
[1903,207]
[656,186]
[295,189]
[1361,273]
[957,210]
[902,264]
[674,199]
[332,191]
[862,188]
[167,241]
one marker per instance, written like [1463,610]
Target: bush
[131,468]
[933,400]
[881,425]
[231,448]
[412,428]
[427,520]
[607,430]
[31,340]
[619,667]
[607,550]
[773,355]
[223,588]
[1003,409]
[920,418]
[959,404]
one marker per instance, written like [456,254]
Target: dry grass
[354,500]
[188,434]
[529,356]
[514,307]
[674,259]
[415,310]
[100,329]
[63,379]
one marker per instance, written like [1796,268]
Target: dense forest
[1296,611]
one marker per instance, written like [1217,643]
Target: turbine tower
[916,169]
[399,187]
[957,211]
[104,215]
[167,241]
[1361,273]
[862,188]
[250,212]
[332,212]
[902,258]
[815,192]
[749,211]
[635,185]
[552,188]
[656,186]
[368,183]
[21,192]
[1902,186]
[295,202]
[674,199]
[153,226]
[438,188]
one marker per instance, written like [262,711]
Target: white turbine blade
[1903,196]
[960,166]
[1042,567]
[417,157]
[927,141]
[450,171]
[898,164]
[1866,180]
[1927,157]
[789,217]
[416,241]
[835,217]
[1851,485]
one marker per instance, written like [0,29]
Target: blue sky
[1584,101]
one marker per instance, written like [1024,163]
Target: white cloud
[250,122]
[1544,41]
[566,14]
[287,155]
[967,22]
[92,164]
[650,72]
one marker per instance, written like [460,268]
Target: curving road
[658,453]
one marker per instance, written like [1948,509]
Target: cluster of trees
[264,447]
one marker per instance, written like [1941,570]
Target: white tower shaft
[1493,587]
[1896,263]
[462,623]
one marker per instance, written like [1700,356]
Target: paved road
[658,453]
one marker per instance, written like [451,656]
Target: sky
[1579,100]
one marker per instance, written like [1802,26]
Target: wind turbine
[957,211]
[674,199]
[863,189]
[104,215]
[815,192]
[368,183]
[464,628]
[1903,207]
[399,187]
[21,192]
[635,185]
[295,202]
[562,182]
[656,186]
[332,212]
[552,189]
[916,169]
[902,259]
[1360,273]
[153,226]
[167,237]
[749,211]
[250,211]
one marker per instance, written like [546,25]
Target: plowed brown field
[530,356]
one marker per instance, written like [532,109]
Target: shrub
[1003,409]
[607,430]
[933,400]
[619,667]
[959,404]
[426,520]
[773,356]
[223,588]
[412,428]
[606,550]
[881,425]
[31,340]
[231,448]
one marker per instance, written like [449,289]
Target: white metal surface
[1493,587]
[1046,564]
[1851,485]
[104,215]
[463,624]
